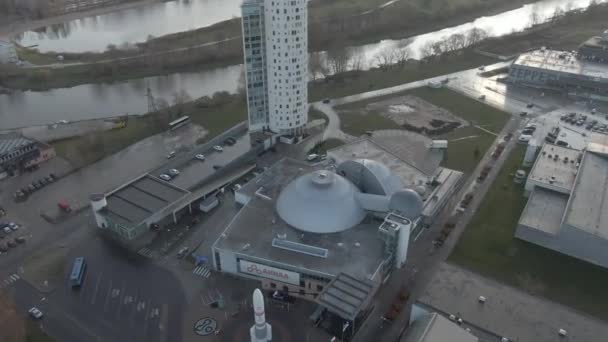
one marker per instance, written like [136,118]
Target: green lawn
[461,154]
[462,141]
[488,246]
[88,149]
[350,83]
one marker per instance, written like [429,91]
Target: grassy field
[361,81]
[88,149]
[462,144]
[488,246]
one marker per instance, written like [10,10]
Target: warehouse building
[8,53]
[567,209]
[595,49]
[563,71]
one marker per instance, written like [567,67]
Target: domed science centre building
[302,225]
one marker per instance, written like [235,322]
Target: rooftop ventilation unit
[300,248]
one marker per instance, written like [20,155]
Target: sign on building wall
[269,272]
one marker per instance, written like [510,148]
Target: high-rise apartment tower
[275,46]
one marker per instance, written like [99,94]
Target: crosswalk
[147,252]
[9,280]
[202,271]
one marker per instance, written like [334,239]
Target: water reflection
[103,100]
[130,26]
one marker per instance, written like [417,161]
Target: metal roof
[563,62]
[588,205]
[136,201]
[346,296]
[320,202]
[544,211]
[12,141]
[551,168]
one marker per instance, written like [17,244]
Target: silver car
[165,177]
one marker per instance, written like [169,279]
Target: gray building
[18,153]
[595,49]
[8,54]
[563,71]
[303,224]
[429,326]
[254,49]
[567,209]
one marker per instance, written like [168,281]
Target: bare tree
[558,13]
[475,35]
[534,17]
[426,50]
[403,55]
[337,60]
[456,41]
[180,99]
[315,66]
[241,87]
[386,57]
[356,61]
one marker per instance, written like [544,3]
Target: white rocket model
[260,331]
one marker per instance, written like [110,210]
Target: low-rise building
[18,153]
[567,209]
[563,71]
[595,48]
[8,54]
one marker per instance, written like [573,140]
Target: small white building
[8,53]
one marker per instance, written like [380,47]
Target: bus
[184,120]
[78,269]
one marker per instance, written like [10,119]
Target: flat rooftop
[563,62]
[507,311]
[368,149]
[547,166]
[411,147]
[544,211]
[134,202]
[12,141]
[588,206]
[436,328]
[357,252]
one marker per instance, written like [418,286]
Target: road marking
[105,305]
[96,289]
[132,320]
[122,292]
[147,316]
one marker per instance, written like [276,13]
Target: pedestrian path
[146,252]
[202,271]
[6,282]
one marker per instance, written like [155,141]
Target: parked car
[3,248]
[165,177]
[35,313]
[524,138]
[482,97]
[218,148]
[217,167]
[523,113]
[11,244]
[182,252]
[7,230]
[171,155]
[281,295]
[13,226]
[20,239]
[173,172]
[326,100]
[200,157]
[530,105]
[561,143]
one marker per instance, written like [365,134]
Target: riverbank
[220,44]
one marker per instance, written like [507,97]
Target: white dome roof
[370,176]
[320,202]
[406,202]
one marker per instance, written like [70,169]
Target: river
[131,25]
[102,100]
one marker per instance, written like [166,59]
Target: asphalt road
[123,298]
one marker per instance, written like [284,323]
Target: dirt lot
[410,112]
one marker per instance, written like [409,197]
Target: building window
[273,285]
[302,293]
[302,283]
[319,288]
[285,288]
